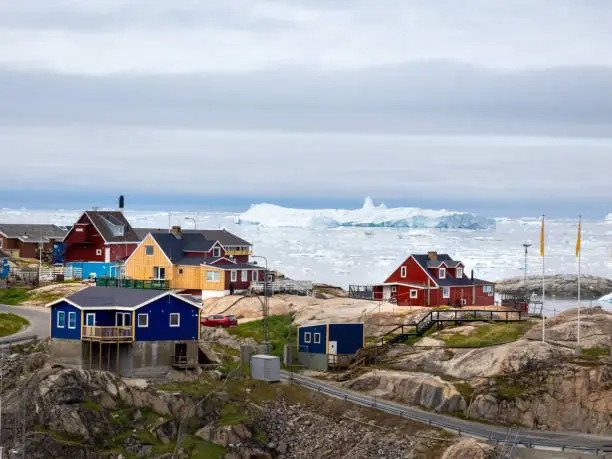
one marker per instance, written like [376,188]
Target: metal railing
[493,436]
[282,286]
[96,333]
[154,284]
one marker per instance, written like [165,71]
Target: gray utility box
[265,368]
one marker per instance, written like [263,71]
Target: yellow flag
[542,238]
[578,240]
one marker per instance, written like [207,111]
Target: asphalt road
[38,318]
[535,438]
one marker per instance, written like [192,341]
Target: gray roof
[32,232]
[93,297]
[232,266]
[223,236]
[103,220]
[449,281]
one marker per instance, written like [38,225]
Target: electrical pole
[266,306]
[525,281]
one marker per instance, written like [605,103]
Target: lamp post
[525,282]
[266,308]
[195,223]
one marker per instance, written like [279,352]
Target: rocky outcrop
[560,286]
[595,328]
[420,389]
[470,448]
[567,397]
[519,356]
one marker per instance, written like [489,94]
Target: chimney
[472,276]
[177,231]
[121,203]
[433,256]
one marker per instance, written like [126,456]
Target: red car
[220,321]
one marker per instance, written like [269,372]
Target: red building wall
[121,251]
[483,299]
[414,273]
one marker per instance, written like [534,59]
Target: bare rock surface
[559,285]
[412,388]
[470,448]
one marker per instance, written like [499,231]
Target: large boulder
[412,388]
[469,448]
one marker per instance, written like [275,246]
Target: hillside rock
[519,356]
[420,389]
[595,328]
[565,397]
[559,285]
[469,448]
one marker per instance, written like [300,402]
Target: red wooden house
[102,237]
[434,280]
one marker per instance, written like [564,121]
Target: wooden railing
[114,334]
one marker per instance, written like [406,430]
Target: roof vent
[433,256]
[177,231]
[121,203]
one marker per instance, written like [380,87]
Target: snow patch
[370,215]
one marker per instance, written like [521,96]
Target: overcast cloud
[309,98]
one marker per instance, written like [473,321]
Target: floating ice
[369,215]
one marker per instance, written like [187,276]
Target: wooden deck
[107,334]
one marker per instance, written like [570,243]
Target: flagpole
[579,250]
[543,282]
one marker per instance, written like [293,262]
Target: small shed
[329,345]
[265,368]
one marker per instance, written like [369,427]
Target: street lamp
[266,308]
[195,224]
[525,282]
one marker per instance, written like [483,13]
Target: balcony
[107,334]
[238,253]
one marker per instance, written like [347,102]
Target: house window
[394,289]
[244,276]
[213,276]
[61,319]
[307,337]
[403,274]
[1,240]
[234,276]
[442,274]
[159,273]
[254,276]
[270,278]
[317,338]
[216,252]
[148,250]
[143,320]
[90,319]
[414,293]
[487,289]
[459,273]
[98,251]
[78,229]
[180,270]
[445,292]
[72,320]
[175,319]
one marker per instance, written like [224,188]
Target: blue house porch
[135,332]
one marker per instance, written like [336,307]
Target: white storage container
[265,368]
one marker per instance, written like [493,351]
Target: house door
[106,254]
[123,319]
[90,319]
[332,351]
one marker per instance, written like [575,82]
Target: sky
[499,107]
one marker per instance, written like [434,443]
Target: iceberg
[605,300]
[370,215]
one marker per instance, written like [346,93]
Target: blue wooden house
[131,331]
[329,345]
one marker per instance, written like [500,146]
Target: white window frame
[403,272]
[72,314]
[317,338]
[1,242]
[445,292]
[442,273]
[459,273]
[270,278]
[234,275]
[178,323]
[98,252]
[244,275]
[146,325]
[393,289]
[147,247]
[307,337]
[216,251]
[78,229]
[414,293]
[215,276]
[87,316]
[254,276]
[156,276]
[61,314]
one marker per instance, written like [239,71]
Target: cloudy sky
[503,107]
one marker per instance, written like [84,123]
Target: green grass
[487,335]
[509,390]
[11,323]
[201,449]
[45,297]
[232,415]
[595,352]
[91,406]
[466,391]
[13,296]
[281,330]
